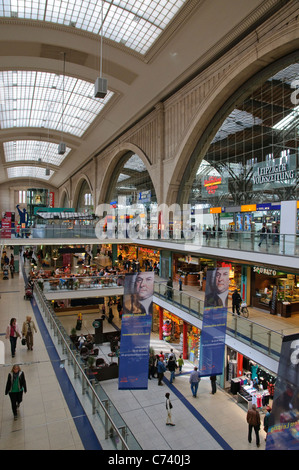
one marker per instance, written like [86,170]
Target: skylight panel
[28,172]
[27,150]
[34,99]
[144,17]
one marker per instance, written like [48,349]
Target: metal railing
[112,431]
[245,330]
[257,336]
[74,283]
[279,244]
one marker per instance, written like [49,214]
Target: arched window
[253,158]
[85,199]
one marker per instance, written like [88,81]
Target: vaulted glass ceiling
[31,99]
[135,23]
[29,172]
[36,150]
[46,100]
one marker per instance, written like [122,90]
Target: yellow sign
[248,208]
[215,210]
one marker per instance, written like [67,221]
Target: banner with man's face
[136,330]
[212,340]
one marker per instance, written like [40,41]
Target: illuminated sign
[262,270]
[212,183]
[248,208]
[215,210]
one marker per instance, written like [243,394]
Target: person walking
[213,384]
[160,369]
[171,366]
[180,363]
[263,234]
[236,301]
[180,283]
[168,409]
[194,381]
[15,386]
[13,333]
[266,419]
[169,286]
[254,422]
[28,330]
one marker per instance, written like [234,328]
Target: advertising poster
[283,431]
[6,225]
[212,340]
[136,331]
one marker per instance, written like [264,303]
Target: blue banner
[136,331]
[283,431]
[212,339]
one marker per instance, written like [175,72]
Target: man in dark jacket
[254,422]
[236,300]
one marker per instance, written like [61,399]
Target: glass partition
[258,337]
[110,428]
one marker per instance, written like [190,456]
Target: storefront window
[275,291]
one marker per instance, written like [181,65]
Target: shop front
[249,382]
[179,333]
[275,291]
[189,269]
[148,258]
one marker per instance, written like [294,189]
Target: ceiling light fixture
[100,86]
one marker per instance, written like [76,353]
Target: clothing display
[259,398]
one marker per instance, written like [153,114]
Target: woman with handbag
[13,333]
[15,386]
[27,331]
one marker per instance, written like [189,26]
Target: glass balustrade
[279,244]
[243,329]
[111,429]
[257,336]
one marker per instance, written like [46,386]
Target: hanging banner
[136,331]
[212,339]
[283,431]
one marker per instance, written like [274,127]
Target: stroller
[28,292]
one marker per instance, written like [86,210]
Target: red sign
[6,225]
[51,200]
[212,184]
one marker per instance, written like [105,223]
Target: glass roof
[135,163]
[134,23]
[29,172]
[35,99]
[41,151]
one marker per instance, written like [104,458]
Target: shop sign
[214,184]
[275,174]
[145,196]
[263,207]
[267,271]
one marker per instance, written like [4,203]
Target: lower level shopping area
[50,419]
[210,421]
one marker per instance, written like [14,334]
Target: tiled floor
[46,422]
